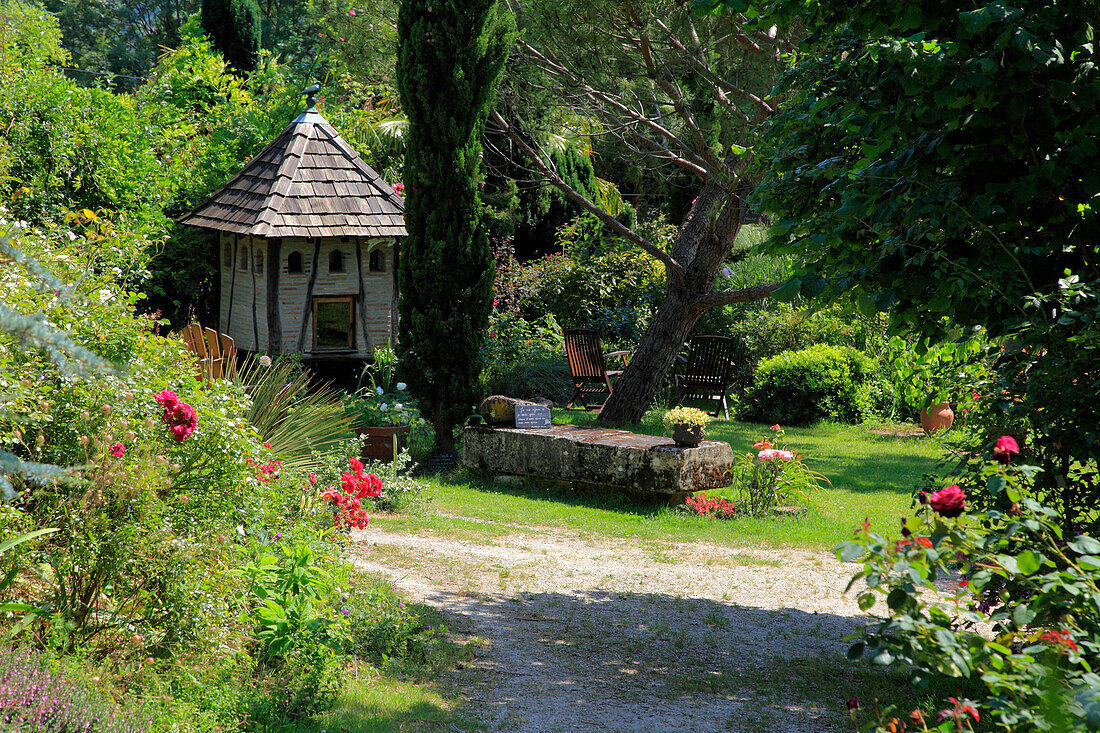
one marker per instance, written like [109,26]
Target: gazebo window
[377,261]
[294,262]
[334,322]
[335,261]
[258,263]
[227,254]
[242,258]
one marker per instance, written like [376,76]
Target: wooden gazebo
[308,239]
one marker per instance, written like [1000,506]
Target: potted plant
[687,424]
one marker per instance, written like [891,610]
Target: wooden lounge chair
[706,371]
[215,353]
[588,366]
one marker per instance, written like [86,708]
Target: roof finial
[310,93]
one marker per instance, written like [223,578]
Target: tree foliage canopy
[941,160]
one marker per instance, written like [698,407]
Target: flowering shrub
[772,476]
[688,417]
[704,506]
[180,417]
[35,700]
[347,500]
[1022,614]
[373,407]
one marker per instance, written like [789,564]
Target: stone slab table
[599,458]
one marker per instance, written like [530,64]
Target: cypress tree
[234,27]
[450,56]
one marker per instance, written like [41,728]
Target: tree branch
[611,222]
[728,297]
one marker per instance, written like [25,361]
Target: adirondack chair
[588,366]
[706,371]
[216,353]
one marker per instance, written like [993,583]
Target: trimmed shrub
[819,383]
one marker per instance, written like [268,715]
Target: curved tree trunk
[704,239]
[657,350]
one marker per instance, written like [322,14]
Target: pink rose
[1005,448]
[117,450]
[949,502]
[351,13]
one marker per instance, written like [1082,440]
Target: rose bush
[772,476]
[1020,618]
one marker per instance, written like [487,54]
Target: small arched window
[242,258]
[335,261]
[258,262]
[227,254]
[377,261]
[294,262]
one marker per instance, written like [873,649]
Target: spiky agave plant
[295,417]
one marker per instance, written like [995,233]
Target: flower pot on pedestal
[687,435]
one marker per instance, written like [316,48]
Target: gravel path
[613,635]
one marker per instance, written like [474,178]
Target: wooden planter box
[379,444]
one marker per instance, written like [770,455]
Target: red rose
[1005,448]
[949,502]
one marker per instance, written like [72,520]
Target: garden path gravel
[599,634]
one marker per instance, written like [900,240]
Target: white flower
[72,237]
[379,390]
[399,406]
[265,361]
[727,272]
[401,386]
[384,406]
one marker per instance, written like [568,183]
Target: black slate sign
[532,416]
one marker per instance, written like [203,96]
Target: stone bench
[599,458]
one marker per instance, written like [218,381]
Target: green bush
[525,358]
[819,383]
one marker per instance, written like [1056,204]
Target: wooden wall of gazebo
[271,288]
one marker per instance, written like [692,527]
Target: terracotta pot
[379,443]
[936,418]
[687,435]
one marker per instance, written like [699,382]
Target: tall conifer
[450,55]
[234,27]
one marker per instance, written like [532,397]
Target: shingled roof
[307,183]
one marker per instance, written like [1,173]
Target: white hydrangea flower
[401,386]
[379,390]
[384,406]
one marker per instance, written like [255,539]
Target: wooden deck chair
[706,371]
[588,366]
[216,354]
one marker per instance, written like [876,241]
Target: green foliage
[450,55]
[1021,612]
[234,26]
[940,160]
[596,282]
[819,383]
[67,148]
[524,358]
[928,373]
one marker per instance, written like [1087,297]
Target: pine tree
[234,27]
[450,55]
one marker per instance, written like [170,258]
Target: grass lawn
[872,475]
